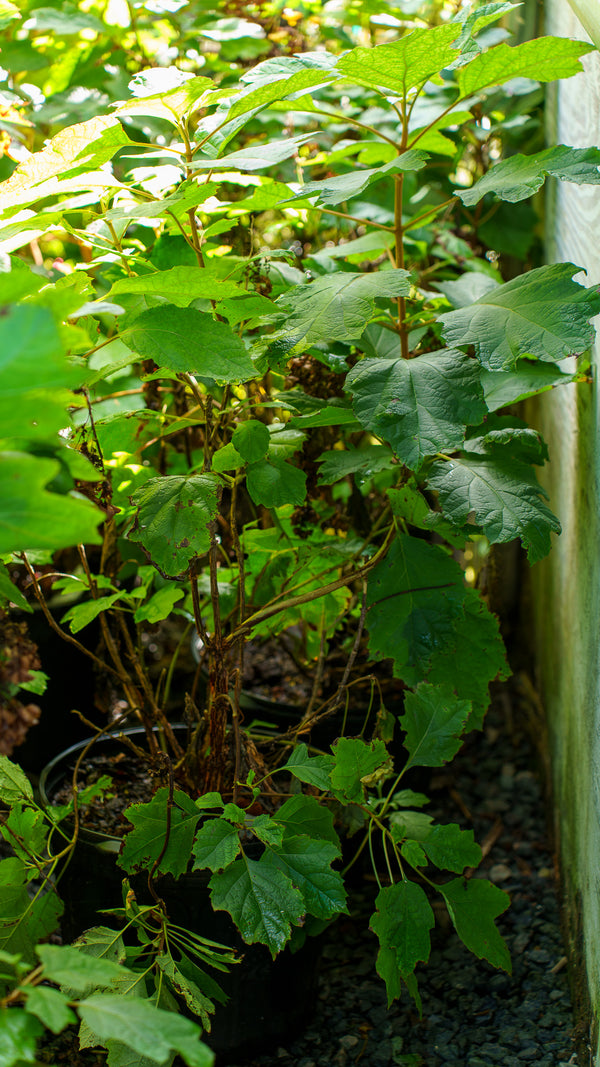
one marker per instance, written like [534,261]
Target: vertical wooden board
[567,585]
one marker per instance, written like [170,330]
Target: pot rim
[101,838]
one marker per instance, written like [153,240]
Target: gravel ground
[473,1015]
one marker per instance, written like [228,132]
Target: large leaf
[307,864]
[433,721]
[415,597]
[402,921]
[473,906]
[33,518]
[474,659]
[520,176]
[254,157]
[305,815]
[266,94]
[180,285]
[188,341]
[502,494]
[545,59]
[145,1028]
[261,900]
[543,313]
[420,406]
[75,149]
[69,966]
[145,843]
[527,378]
[341,187]
[337,307]
[172,519]
[395,69]
[35,377]
[20,1032]
[50,1007]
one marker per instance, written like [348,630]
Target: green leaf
[69,966]
[14,783]
[273,483]
[527,378]
[402,921]
[342,187]
[251,439]
[395,69]
[172,518]
[160,605]
[542,313]
[144,844]
[145,1028]
[278,90]
[415,596]
[545,60]
[102,942]
[50,1007]
[195,999]
[254,157]
[187,341]
[474,659]
[81,615]
[409,503]
[451,848]
[9,592]
[33,518]
[520,442]
[177,97]
[86,146]
[337,307]
[227,458]
[24,824]
[362,461]
[420,406]
[35,377]
[504,496]
[521,176]
[434,721]
[314,770]
[305,815]
[354,761]
[261,900]
[180,285]
[267,829]
[411,825]
[473,906]
[20,1032]
[413,854]
[217,844]
[307,864]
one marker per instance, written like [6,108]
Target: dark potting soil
[133,782]
[473,1015]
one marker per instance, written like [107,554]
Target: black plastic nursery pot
[268,1000]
